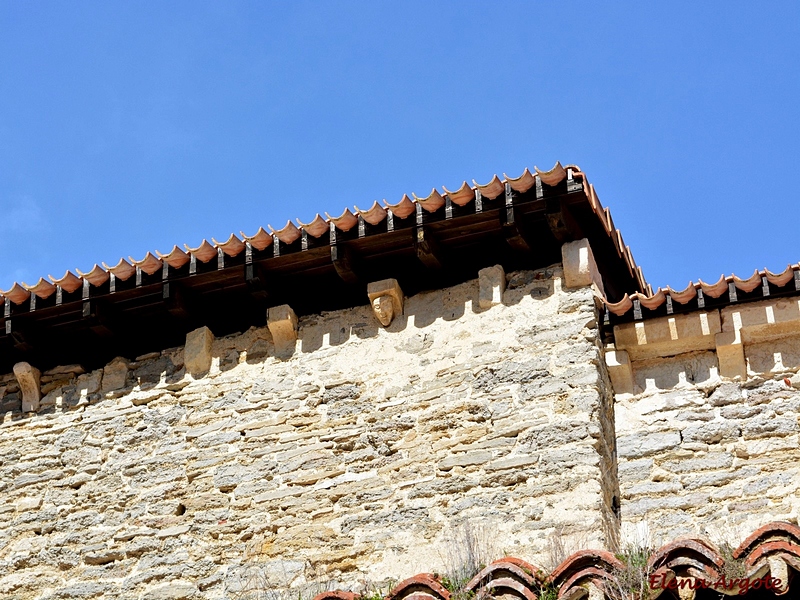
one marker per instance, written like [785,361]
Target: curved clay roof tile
[652,302]
[780,279]
[770,531]
[375,215]
[260,240]
[231,247]
[685,295]
[419,586]
[748,285]
[316,228]
[621,307]
[522,183]
[149,264]
[17,294]
[402,209]
[176,257]
[344,222]
[69,282]
[554,176]
[95,277]
[204,252]
[42,288]
[492,189]
[462,196]
[288,234]
[432,202]
[122,270]
[336,595]
[715,290]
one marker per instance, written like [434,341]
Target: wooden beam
[427,248]
[512,227]
[344,261]
[562,224]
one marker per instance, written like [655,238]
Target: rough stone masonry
[329,447]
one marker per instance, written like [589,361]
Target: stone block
[491,284]
[580,268]
[197,351]
[668,336]
[619,370]
[386,299]
[730,354]
[115,374]
[282,323]
[28,378]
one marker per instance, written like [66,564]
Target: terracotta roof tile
[433,207]
[288,234]
[69,282]
[344,222]
[260,240]
[432,202]
[374,216]
[463,195]
[316,227]
[403,208]
[42,288]
[149,264]
[767,548]
[492,189]
[231,247]
[203,253]
[96,276]
[725,290]
[176,258]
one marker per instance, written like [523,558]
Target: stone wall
[354,456]
[699,452]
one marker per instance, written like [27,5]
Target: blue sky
[128,127]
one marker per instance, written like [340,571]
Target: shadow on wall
[666,373]
[423,310]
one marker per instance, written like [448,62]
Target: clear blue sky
[133,126]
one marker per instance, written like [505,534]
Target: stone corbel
[282,324]
[28,378]
[386,299]
[492,284]
[580,268]
[730,354]
[619,371]
[197,351]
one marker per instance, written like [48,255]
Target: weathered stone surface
[28,381]
[492,285]
[355,452]
[197,351]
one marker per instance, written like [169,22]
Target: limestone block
[492,284]
[197,351]
[386,298]
[580,268]
[282,323]
[668,336]
[28,378]
[619,370]
[29,503]
[763,321]
[730,354]
[114,375]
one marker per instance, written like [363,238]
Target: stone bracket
[197,351]
[580,268]
[491,284]
[619,371]
[282,324]
[28,378]
[386,299]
